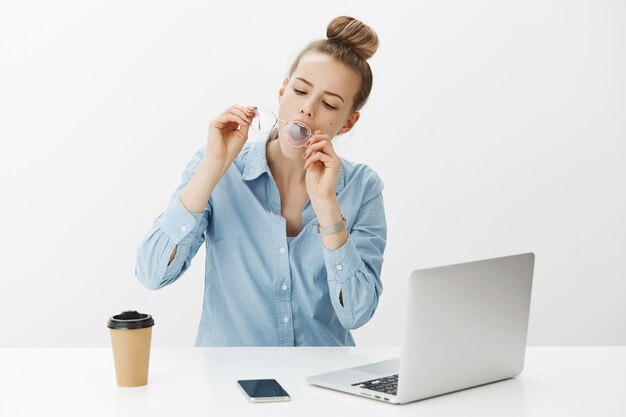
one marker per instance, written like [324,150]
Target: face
[320,94]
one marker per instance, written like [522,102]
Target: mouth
[304,123]
[297,133]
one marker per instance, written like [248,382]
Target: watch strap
[336,228]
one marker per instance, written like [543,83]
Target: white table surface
[557,381]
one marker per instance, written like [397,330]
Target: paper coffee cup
[131,334]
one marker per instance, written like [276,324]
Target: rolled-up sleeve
[176,226]
[354,269]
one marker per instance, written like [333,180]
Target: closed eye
[301,93]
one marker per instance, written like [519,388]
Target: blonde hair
[352,43]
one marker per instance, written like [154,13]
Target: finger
[318,136]
[243,129]
[247,110]
[314,160]
[227,118]
[325,145]
[241,113]
[318,157]
[319,146]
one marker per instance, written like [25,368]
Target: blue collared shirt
[261,290]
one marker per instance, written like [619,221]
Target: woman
[294,236]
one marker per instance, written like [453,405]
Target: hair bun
[356,34]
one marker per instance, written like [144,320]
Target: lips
[304,123]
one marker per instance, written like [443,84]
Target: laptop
[466,326]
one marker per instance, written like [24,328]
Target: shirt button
[282,250]
[183,228]
[286,319]
[339,267]
[284,287]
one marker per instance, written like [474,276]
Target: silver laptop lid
[466,325]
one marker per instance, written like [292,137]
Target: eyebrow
[325,92]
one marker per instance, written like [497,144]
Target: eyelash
[328,106]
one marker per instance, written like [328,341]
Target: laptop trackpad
[388,367]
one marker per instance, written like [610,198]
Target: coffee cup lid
[130,320]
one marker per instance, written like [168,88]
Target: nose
[306,109]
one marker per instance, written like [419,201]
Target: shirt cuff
[178,223]
[343,263]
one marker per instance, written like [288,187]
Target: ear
[349,124]
[281,91]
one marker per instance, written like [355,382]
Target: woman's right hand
[228,132]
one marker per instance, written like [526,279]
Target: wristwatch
[329,230]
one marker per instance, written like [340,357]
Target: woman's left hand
[322,168]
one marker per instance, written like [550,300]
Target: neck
[284,170]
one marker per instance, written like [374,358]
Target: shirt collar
[256,161]
[256,164]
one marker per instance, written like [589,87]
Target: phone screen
[263,389]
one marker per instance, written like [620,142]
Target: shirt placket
[282,281]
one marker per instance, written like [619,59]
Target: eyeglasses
[265,120]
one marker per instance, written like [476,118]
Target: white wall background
[498,127]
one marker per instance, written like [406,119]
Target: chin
[290,152]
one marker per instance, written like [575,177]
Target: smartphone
[263,390]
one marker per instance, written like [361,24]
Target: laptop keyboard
[387,384]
